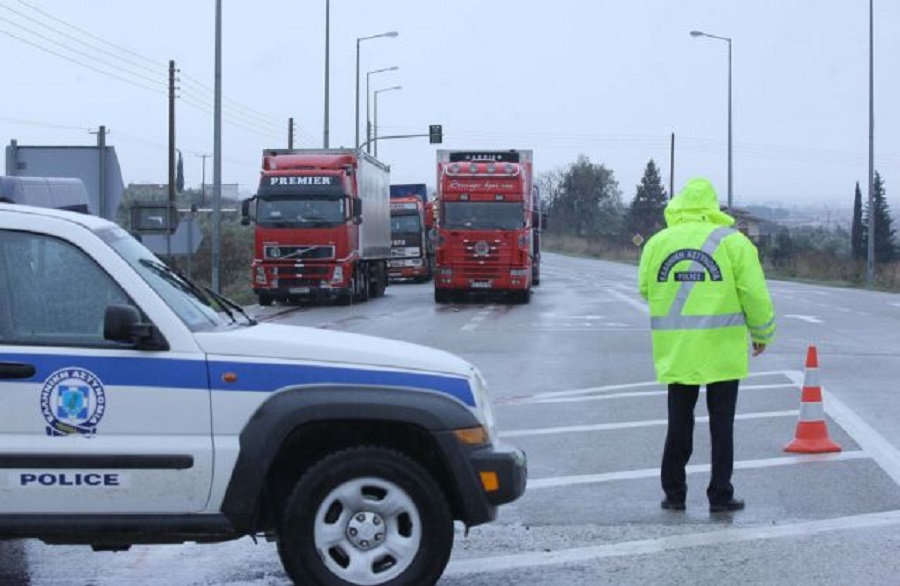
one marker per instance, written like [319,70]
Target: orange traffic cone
[811,436]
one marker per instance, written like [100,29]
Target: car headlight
[485,410]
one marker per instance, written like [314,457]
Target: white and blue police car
[139,407]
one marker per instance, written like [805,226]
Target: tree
[179,174]
[885,249]
[857,242]
[550,185]
[646,213]
[589,202]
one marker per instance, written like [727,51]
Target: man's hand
[758,348]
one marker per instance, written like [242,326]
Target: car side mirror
[122,323]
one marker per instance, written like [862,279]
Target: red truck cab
[484,217]
[311,240]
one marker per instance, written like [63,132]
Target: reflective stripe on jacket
[706,290]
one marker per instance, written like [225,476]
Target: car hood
[282,342]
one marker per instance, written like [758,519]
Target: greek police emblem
[72,402]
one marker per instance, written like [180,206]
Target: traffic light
[435,134]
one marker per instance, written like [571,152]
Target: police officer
[706,290]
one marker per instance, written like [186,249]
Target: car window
[53,293]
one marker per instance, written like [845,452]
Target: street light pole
[730,143]
[375,130]
[358,41]
[368,99]
[870,244]
[327,67]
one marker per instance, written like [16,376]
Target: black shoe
[726,507]
[672,505]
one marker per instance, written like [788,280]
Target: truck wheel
[441,296]
[366,516]
[265,300]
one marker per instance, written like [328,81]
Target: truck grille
[277,252]
[307,276]
[484,258]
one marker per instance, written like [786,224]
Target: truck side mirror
[246,218]
[357,209]
[429,216]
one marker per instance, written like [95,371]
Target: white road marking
[533,400]
[478,318]
[605,388]
[557,481]
[873,443]
[634,424]
[728,535]
[639,305]
[807,318]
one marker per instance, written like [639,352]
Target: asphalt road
[573,385]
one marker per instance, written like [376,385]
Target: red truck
[412,254]
[487,217]
[322,226]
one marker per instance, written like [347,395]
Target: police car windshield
[188,300]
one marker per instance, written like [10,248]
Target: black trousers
[721,400]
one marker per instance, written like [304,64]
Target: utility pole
[171,207]
[203,180]
[217,156]
[290,133]
[103,208]
[327,66]
[870,245]
[672,168]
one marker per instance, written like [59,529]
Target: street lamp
[368,118]
[358,41]
[375,131]
[730,174]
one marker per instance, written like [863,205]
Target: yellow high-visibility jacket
[706,290]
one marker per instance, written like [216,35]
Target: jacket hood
[696,202]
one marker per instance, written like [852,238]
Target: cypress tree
[646,213]
[885,250]
[857,242]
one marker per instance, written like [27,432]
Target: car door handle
[16,370]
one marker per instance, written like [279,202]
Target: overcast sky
[608,79]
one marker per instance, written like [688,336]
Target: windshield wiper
[225,302]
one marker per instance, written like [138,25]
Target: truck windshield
[306,212]
[405,224]
[478,215]
[197,309]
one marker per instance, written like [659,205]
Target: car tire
[330,528]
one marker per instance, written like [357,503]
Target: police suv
[139,407]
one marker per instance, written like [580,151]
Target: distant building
[761,232]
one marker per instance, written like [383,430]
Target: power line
[76,51]
[86,65]
[114,55]
[43,124]
[239,115]
[90,35]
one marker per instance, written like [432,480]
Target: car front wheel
[369,517]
